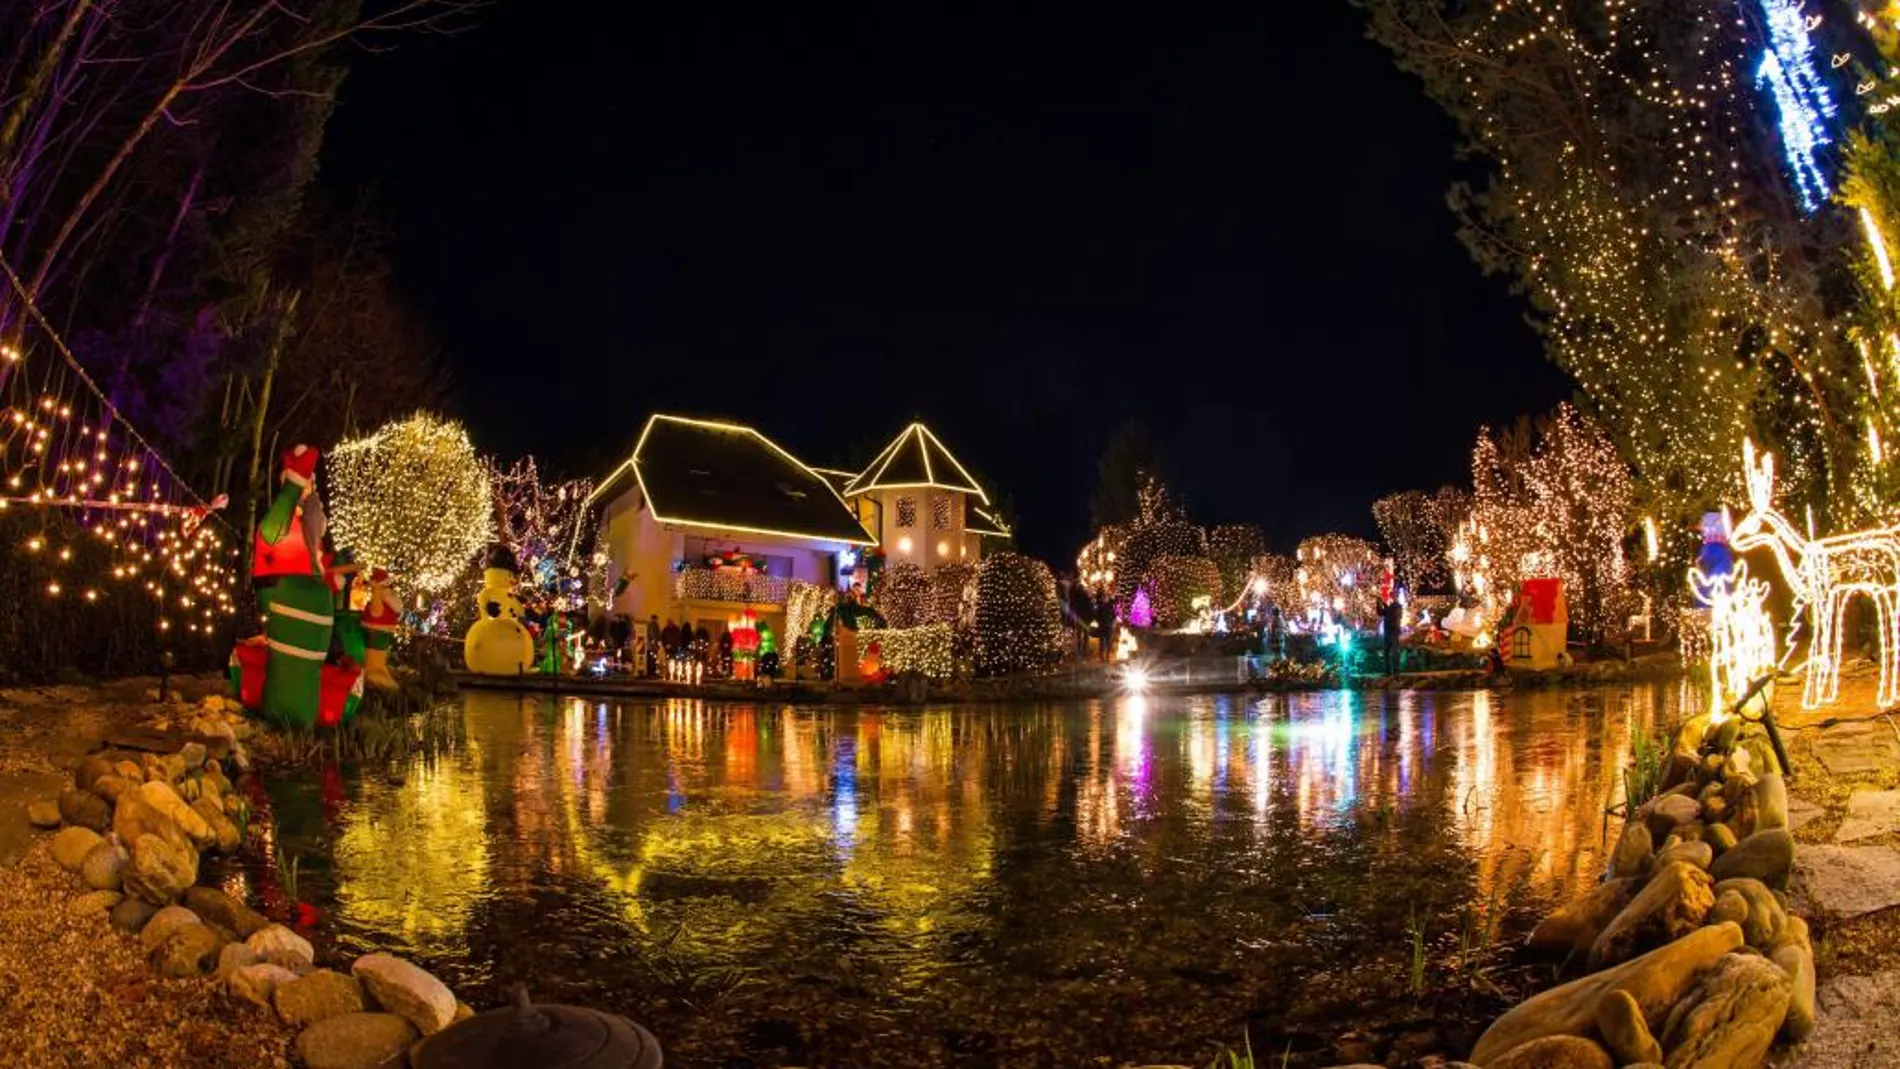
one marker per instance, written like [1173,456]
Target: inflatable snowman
[498,643]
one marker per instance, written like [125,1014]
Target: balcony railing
[729,584]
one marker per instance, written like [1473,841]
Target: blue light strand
[1801,99]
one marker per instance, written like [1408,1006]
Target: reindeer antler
[1759,476]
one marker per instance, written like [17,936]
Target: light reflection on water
[972,885]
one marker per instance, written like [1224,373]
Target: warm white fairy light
[413,498]
[1741,633]
[1878,243]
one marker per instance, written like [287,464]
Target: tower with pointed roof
[921,504]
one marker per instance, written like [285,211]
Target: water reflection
[970,885]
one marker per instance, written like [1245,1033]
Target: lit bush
[1018,625]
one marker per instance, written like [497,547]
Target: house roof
[1541,600]
[838,479]
[985,522]
[702,473]
[915,459]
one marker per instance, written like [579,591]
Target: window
[906,512]
[940,512]
[1521,643]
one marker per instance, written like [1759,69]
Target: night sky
[1023,229]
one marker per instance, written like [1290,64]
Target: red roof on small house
[1541,597]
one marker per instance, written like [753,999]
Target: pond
[1337,876]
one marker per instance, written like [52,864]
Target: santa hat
[379,575]
[300,464]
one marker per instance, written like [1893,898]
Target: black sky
[1022,228]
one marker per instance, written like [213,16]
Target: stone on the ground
[1656,980]
[1668,811]
[1576,925]
[1767,856]
[163,924]
[1770,795]
[1765,917]
[1739,763]
[1799,965]
[281,946]
[71,846]
[1620,1022]
[104,867]
[1729,906]
[1802,812]
[235,956]
[1633,847]
[160,870]
[406,989]
[93,902]
[1699,854]
[1673,904]
[1854,1018]
[132,914]
[1731,1017]
[191,950]
[1844,881]
[110,787]
[134,817]
[258,982]
[1722,737]
[1720,838]
[221,909]
[43,814]
[1857,749]
[356,1041]
[89,769]
[84,809]
[318,995]
[1793,933]
[1715,809]
[162,797]
[1553,1052]
[1869,813]
[193,754]
[224,833]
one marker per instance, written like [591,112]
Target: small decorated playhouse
[1534,634]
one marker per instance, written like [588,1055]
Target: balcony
[730,584]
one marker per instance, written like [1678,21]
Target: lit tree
[412,497]
[1173,584]
[1161,529]
[1337,578]
[1233,547]
[549,527]
[1418,528]
[1637,202]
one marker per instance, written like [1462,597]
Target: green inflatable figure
[350,640]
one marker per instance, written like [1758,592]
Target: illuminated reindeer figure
[1824,573]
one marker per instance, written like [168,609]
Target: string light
[1017,624]
[1338,581]
[413,498]
[1176,584]
[1802,99]
[929,649]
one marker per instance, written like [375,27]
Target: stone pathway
[1801,812]
[1855,1028]
[1869,813]
[1843,882]
[1862,748]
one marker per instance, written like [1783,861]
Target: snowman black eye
[493,609]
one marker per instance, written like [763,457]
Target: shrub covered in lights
[1338,580]
[1018,625]
[902,595]
[946,602]
[412,497]
[1233,547]
[1281,573]
[929,649]
[1173,584]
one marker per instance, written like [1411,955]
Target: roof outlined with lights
[915,459]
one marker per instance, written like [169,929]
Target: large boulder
[71,846]
[160,796]
[318,995]
[1631,856]
[84,809]
[1798,963]
[281,946]
[1764,917]
[258,982]
[356,1041]
[131,915]
[403,988]
[1699,854]
[1656,980]
[134,817]
[1731,1016]
[163,924]
[221,909]
[1668,811]
[191,950]
[43,814]
[1554,1052]
[111,787]
[93,902]
[224,832]
[160,870]
[1575,926]
[104,866]
[1766,855]
[1674,903]
[1770,808]
[235,956]
[1620,1023]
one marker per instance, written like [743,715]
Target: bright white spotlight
[1135,679]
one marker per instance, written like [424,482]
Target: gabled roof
[702,473]
[838,479]
[985,522]
[915,458]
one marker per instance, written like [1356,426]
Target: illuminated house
[1538,626]
[706,519]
